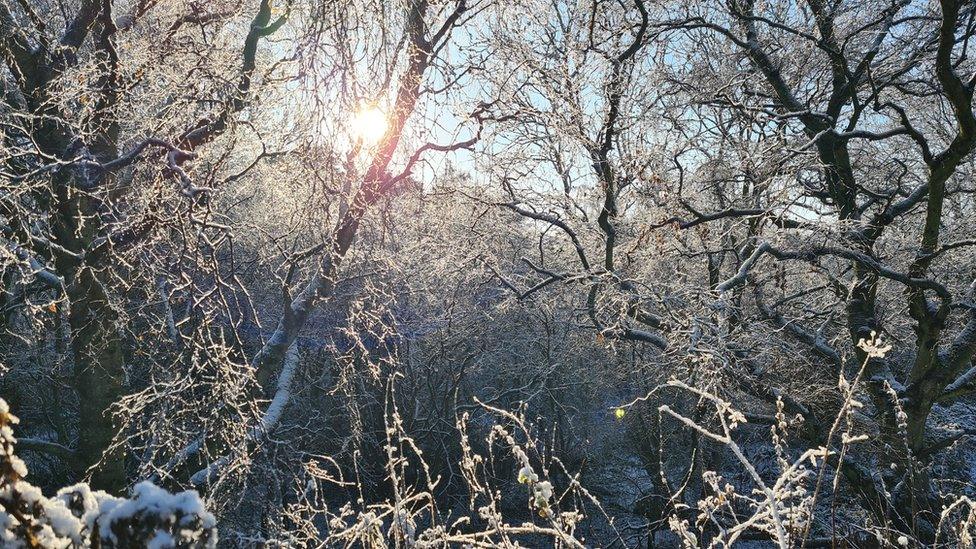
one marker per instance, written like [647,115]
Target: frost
[526,475]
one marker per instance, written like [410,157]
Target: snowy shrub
[80,517]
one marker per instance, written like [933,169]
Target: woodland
[487,273]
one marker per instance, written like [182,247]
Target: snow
[62,521]
[150,500]
[271,417]
[268,421]
[161,540]
[18,466]
[71,517]
[78,517]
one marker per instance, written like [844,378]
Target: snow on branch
[80,517]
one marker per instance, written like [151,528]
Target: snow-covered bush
[80,517]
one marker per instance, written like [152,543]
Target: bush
[80,517]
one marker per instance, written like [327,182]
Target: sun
[369,125]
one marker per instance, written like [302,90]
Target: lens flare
[369,125]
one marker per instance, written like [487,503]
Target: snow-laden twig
[268,421]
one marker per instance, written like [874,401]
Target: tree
[73,162]
[766,119]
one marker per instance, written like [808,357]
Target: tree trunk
[99,377]
[96,345]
